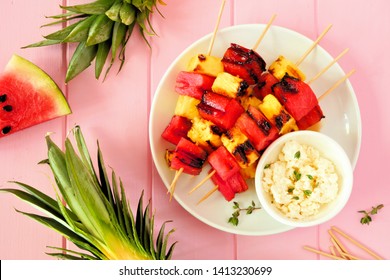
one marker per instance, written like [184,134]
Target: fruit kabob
[208,104]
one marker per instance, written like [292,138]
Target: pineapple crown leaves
[100,28]
[97,217]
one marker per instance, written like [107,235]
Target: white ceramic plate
[342,121]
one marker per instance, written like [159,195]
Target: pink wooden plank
[22,238]
[364,33]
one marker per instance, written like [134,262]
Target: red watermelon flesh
[28,96]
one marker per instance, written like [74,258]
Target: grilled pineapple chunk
[249,100]
[277,115]
[205,134]
[250,171]
[229,85]
[205,64]
[240,147]
[186,107]
[282,66]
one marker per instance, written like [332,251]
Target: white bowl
[329,149]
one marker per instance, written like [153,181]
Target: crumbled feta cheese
[301,181]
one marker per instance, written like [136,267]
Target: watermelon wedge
[28,96]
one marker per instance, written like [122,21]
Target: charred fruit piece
[264,86]
[240,147]
[193,84]
[223,163]
[277,115]
[205,134]
[177,128]
[186,107]
[313,117]
[205,64]
[228,85]
[282,66]
[244,63]
[220,110]
[259,130]
[187,156]
[296,96]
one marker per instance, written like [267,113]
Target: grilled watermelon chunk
[220,110]
[296,96]
[257,128]
[28,96]
[244,63]
[313,117]
[177,128]
[235,184]
[188,156]
[223,163]
[193,84]
[264,86]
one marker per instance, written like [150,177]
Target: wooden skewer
[313,45]
[349,256]
[328,66]
[173,184]
[336,85]
[202,182]
[322,253]
[332,250]
[264,32]
[216,27]
[339,246]
[357,243]
[208,194]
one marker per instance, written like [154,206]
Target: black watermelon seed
[7,108]
[6,129]
[3,98]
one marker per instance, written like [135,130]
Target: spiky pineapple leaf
[97,216]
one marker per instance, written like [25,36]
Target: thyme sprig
[248,210]
[367,219]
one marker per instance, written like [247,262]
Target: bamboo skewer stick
[358,244]
[216,27]
[327,67]
[208,194]
[339,246]
[202,182]
[322,253]
[315,43]
[173,184]
[264,32]
[336,85]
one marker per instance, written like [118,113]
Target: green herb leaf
[297,155]
[236,206]
[307,192]
[366,219]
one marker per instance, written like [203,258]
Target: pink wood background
[116,112]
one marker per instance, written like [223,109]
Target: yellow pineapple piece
[186,107]
[250,171]
[277,115]
[229,85]
[249,100]
[240,147]
[282,66]
[205,134]
[205,64]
